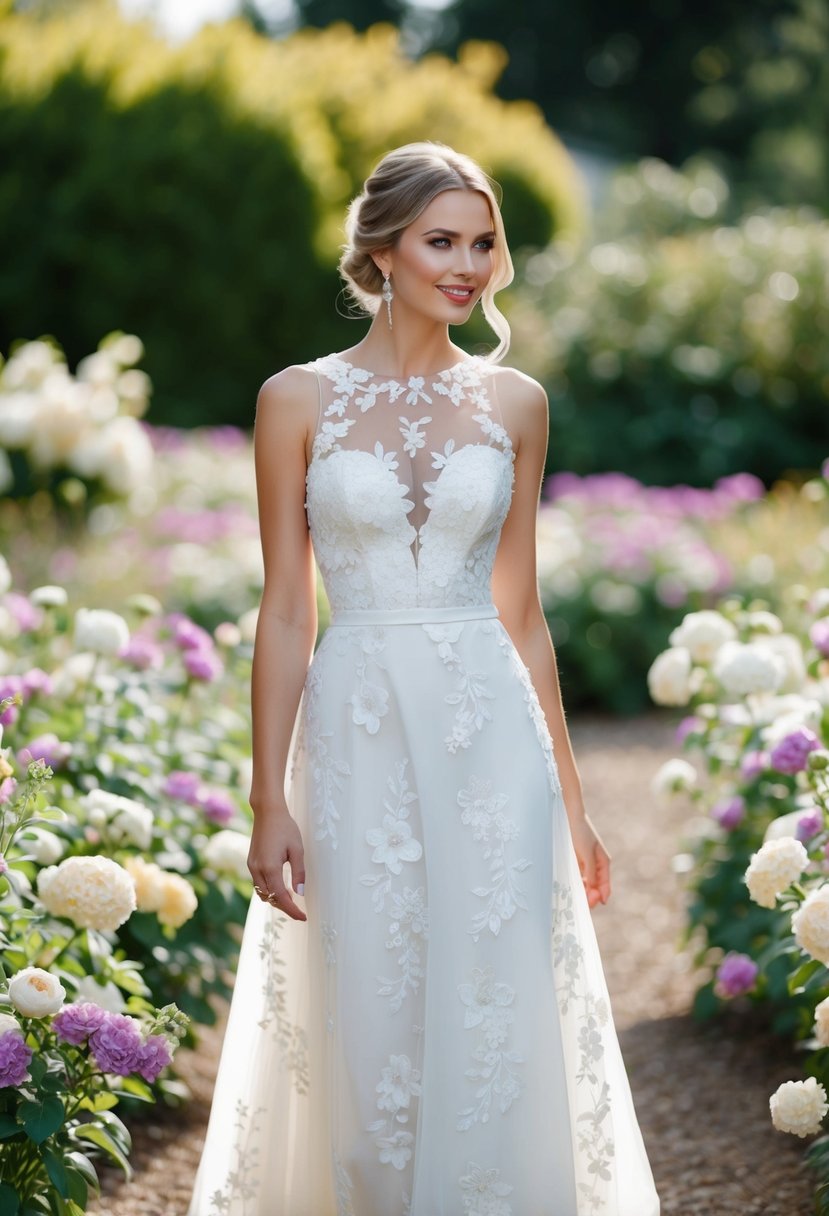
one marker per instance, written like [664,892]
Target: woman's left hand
[594,861]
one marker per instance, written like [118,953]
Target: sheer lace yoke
[409,484]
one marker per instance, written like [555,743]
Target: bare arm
[516,595]
[287,624]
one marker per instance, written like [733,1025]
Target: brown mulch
[701,1091]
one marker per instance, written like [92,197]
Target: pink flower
[47,748]
[819,634]
[190,636]
[217,806]
[729,812]
[203,665]
[737,973]
[753,764]
[15,1057]
[36,680]
[7,787]
[688,726]
[116,1044]
[809,824]
[183,786]
[75,1023]
[27,615]
[792,752]
[10,686]
[153,1057]
[142,652]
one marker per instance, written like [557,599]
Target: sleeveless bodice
[408,486]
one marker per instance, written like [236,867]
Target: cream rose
[799,1107]
[93,892]
[148,879]
[776,865]
[7,1023]
[669,678]
[178,901]
[228,850]
[36,993]
[810,924]
[702,634]
[100,631]
[822,1022]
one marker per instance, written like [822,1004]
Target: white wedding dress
[436,1040]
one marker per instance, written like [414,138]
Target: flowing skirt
[437,1038]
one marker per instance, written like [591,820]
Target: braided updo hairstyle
[401,186]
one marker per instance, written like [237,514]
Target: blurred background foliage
[197,193]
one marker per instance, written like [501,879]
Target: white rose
[674,777]
[799,1107]
[811,924]
[669,678]
[18,418]
[101,631]
[749,667]
[5,575]
[790,653]
[127,455]
[228,850]
[29,364]
[702,634]
[107,995]
[822,1022]
[178,900]
[7,1023]
[41,845]
[776,866]
[73,673]
[764,622]
[35,993]
[124,818]
[93,892]
[48,596]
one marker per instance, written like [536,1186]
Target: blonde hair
[401,186]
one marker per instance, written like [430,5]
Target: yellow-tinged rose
[178,901]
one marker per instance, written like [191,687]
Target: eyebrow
[449,232]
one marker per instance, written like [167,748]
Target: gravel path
[701,1092]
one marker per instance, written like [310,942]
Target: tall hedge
[194,195]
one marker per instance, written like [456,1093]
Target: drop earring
[388,294]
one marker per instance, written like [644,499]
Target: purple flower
[27,615]
[4,865]
[7,787]
[116,1044]
[729,812]
[15,1057]
[203,664]
[142,652]
[76,1022]
[736,974]
[182,785]
[819,634]
[190,636]
[47,748]
[153,1057]
[688,726]
[36,680]
[824,470]
[10,686]
[753,764]
[792,752]
[217,806]
[809,824]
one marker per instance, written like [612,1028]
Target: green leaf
[56,1170]
[80,1162]
[798,979]
[9,1200]
[41,1117]
[104,1100]
[78,1189]
[8,1127]
[102,1139]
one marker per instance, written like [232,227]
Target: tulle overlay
[437,1039]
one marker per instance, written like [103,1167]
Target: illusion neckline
[443,372]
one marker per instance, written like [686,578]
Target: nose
[463,262]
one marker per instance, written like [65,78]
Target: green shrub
[195,195]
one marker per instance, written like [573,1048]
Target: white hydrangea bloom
[810,924]
[747,667]
[669,678]
[93,892]
[788,650]
[123,819]
[36,993]
[49,596]
[100,631]
[702,634]
[776,865]
[822,1022]
[674,777]
[228,850]
[799,1107]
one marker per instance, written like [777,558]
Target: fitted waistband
[412,616]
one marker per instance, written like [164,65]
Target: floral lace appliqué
[291,1038]
[488,1008]
[243,1181]
[399,1083]
[483,811]
[471,692]
[483,1192]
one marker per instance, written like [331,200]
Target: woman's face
[443,261]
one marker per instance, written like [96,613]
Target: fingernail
[300,888]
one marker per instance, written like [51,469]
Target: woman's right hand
[275,840]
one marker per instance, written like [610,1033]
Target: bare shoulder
[293,387]
[523,403]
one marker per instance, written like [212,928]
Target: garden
[682,535]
